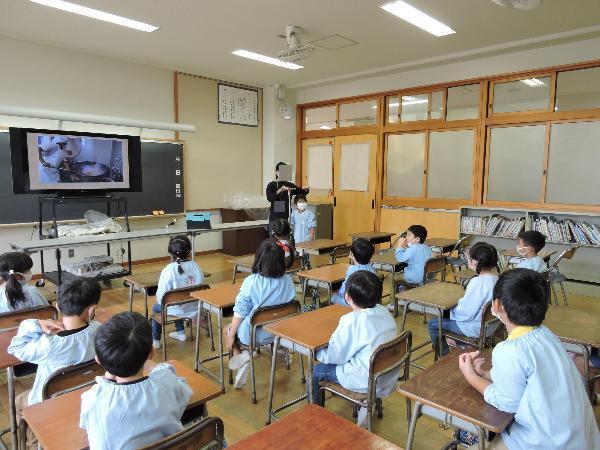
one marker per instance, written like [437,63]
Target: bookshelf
[500,227]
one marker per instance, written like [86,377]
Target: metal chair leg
[210,332]
[379,408]
[252,373]
[302,376]
[562,288]
[554,293]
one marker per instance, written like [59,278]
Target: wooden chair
[206,434]
[554,275]
[71,378]
[460,260]
[487,321]
[343,251]
[387,357]
[13,319]
[180,297]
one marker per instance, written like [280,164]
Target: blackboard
[162,188]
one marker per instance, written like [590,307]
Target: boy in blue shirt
[530,244]
[412,251]
[532,375]
[361,253]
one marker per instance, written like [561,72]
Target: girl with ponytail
[15,273]
[181,272]
[465,318]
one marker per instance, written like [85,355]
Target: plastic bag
[256,206]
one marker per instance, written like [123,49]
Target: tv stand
[56,277]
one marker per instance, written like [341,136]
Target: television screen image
[65,162]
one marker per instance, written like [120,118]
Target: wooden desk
[8,361]
[214,300]
[55,422]
[320,246]
[578,328]
[437,297]
[306,334]
[386,262]
[324,276]
[314,428]
[244,265]
[441,245]
[143,281]
[375,237]
[442,389]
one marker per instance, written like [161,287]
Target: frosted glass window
[437,105]
[357,114]
[450,164]
[405,165]
[320,118]
[516,163]
[393,109]
[354,167]
[414,107]
[463,102]
[522,95]
[320,167]
[578,89]
[573,161]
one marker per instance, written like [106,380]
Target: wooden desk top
[56,421]
[321,245]
[311,330]
[436,294]
[220,296]
[440,242]
[572,325]
[6,359]
[329,274]
[144,280]
[315,428]
[385,258]
[372,235]
[444,387]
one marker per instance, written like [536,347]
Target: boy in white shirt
[530,244]
[56,344]
[346,359]
[532,375]
[125,409]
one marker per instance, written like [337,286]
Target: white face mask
[301,206]
[495,314]
[522,250]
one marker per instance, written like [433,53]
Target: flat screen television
[68,162]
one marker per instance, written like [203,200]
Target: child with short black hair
[181,272]
[413,251]
[268,285]
[532,375]
[465,318]
[361,253]
[56,344]
[303,220]
[346,360]
[125,409]
[15,273]
[530,244]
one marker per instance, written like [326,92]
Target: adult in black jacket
[279,194]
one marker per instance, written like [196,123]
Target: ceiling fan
[519,4]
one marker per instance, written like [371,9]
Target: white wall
[47,77]
[569,53]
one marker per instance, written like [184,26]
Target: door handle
[373,203]
[334,201]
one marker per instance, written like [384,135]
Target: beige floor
[241,418]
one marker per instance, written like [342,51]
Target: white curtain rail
[66,116]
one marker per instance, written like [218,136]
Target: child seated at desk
[268,285]
[15,293]
[346,360]
[465,318]
[181,272]
[56,344]
[530,244]
[125,409]
[282,232]
[532,375]
[413,251]
[361,253]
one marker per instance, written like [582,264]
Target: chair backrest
[342,251]
[487,318]
[208,433]
[71,378]
[434,266]
[13,319]
[182,295]
[268,314]
[567,254]
[389,356]
[462,244]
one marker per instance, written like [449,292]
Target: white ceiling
[197,36]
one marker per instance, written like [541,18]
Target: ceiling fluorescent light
[415,102]
[418,18]
[95,14]
[325,127]
[267,59]
[533,82]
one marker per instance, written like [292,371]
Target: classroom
[300,225]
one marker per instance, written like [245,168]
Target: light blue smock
[302,223]
[467,313]
[414,256]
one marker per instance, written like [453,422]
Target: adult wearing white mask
[52,154]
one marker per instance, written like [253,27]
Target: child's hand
[229,340]
[478,362]
[50,326]
[465,364]
[401,242]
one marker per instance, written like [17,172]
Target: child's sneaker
[391,307]
[467,438]
[238,361]
[241,377]
[178,335]
[308,307]
[156,344]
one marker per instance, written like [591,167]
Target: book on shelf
[566,231]
[493,225]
